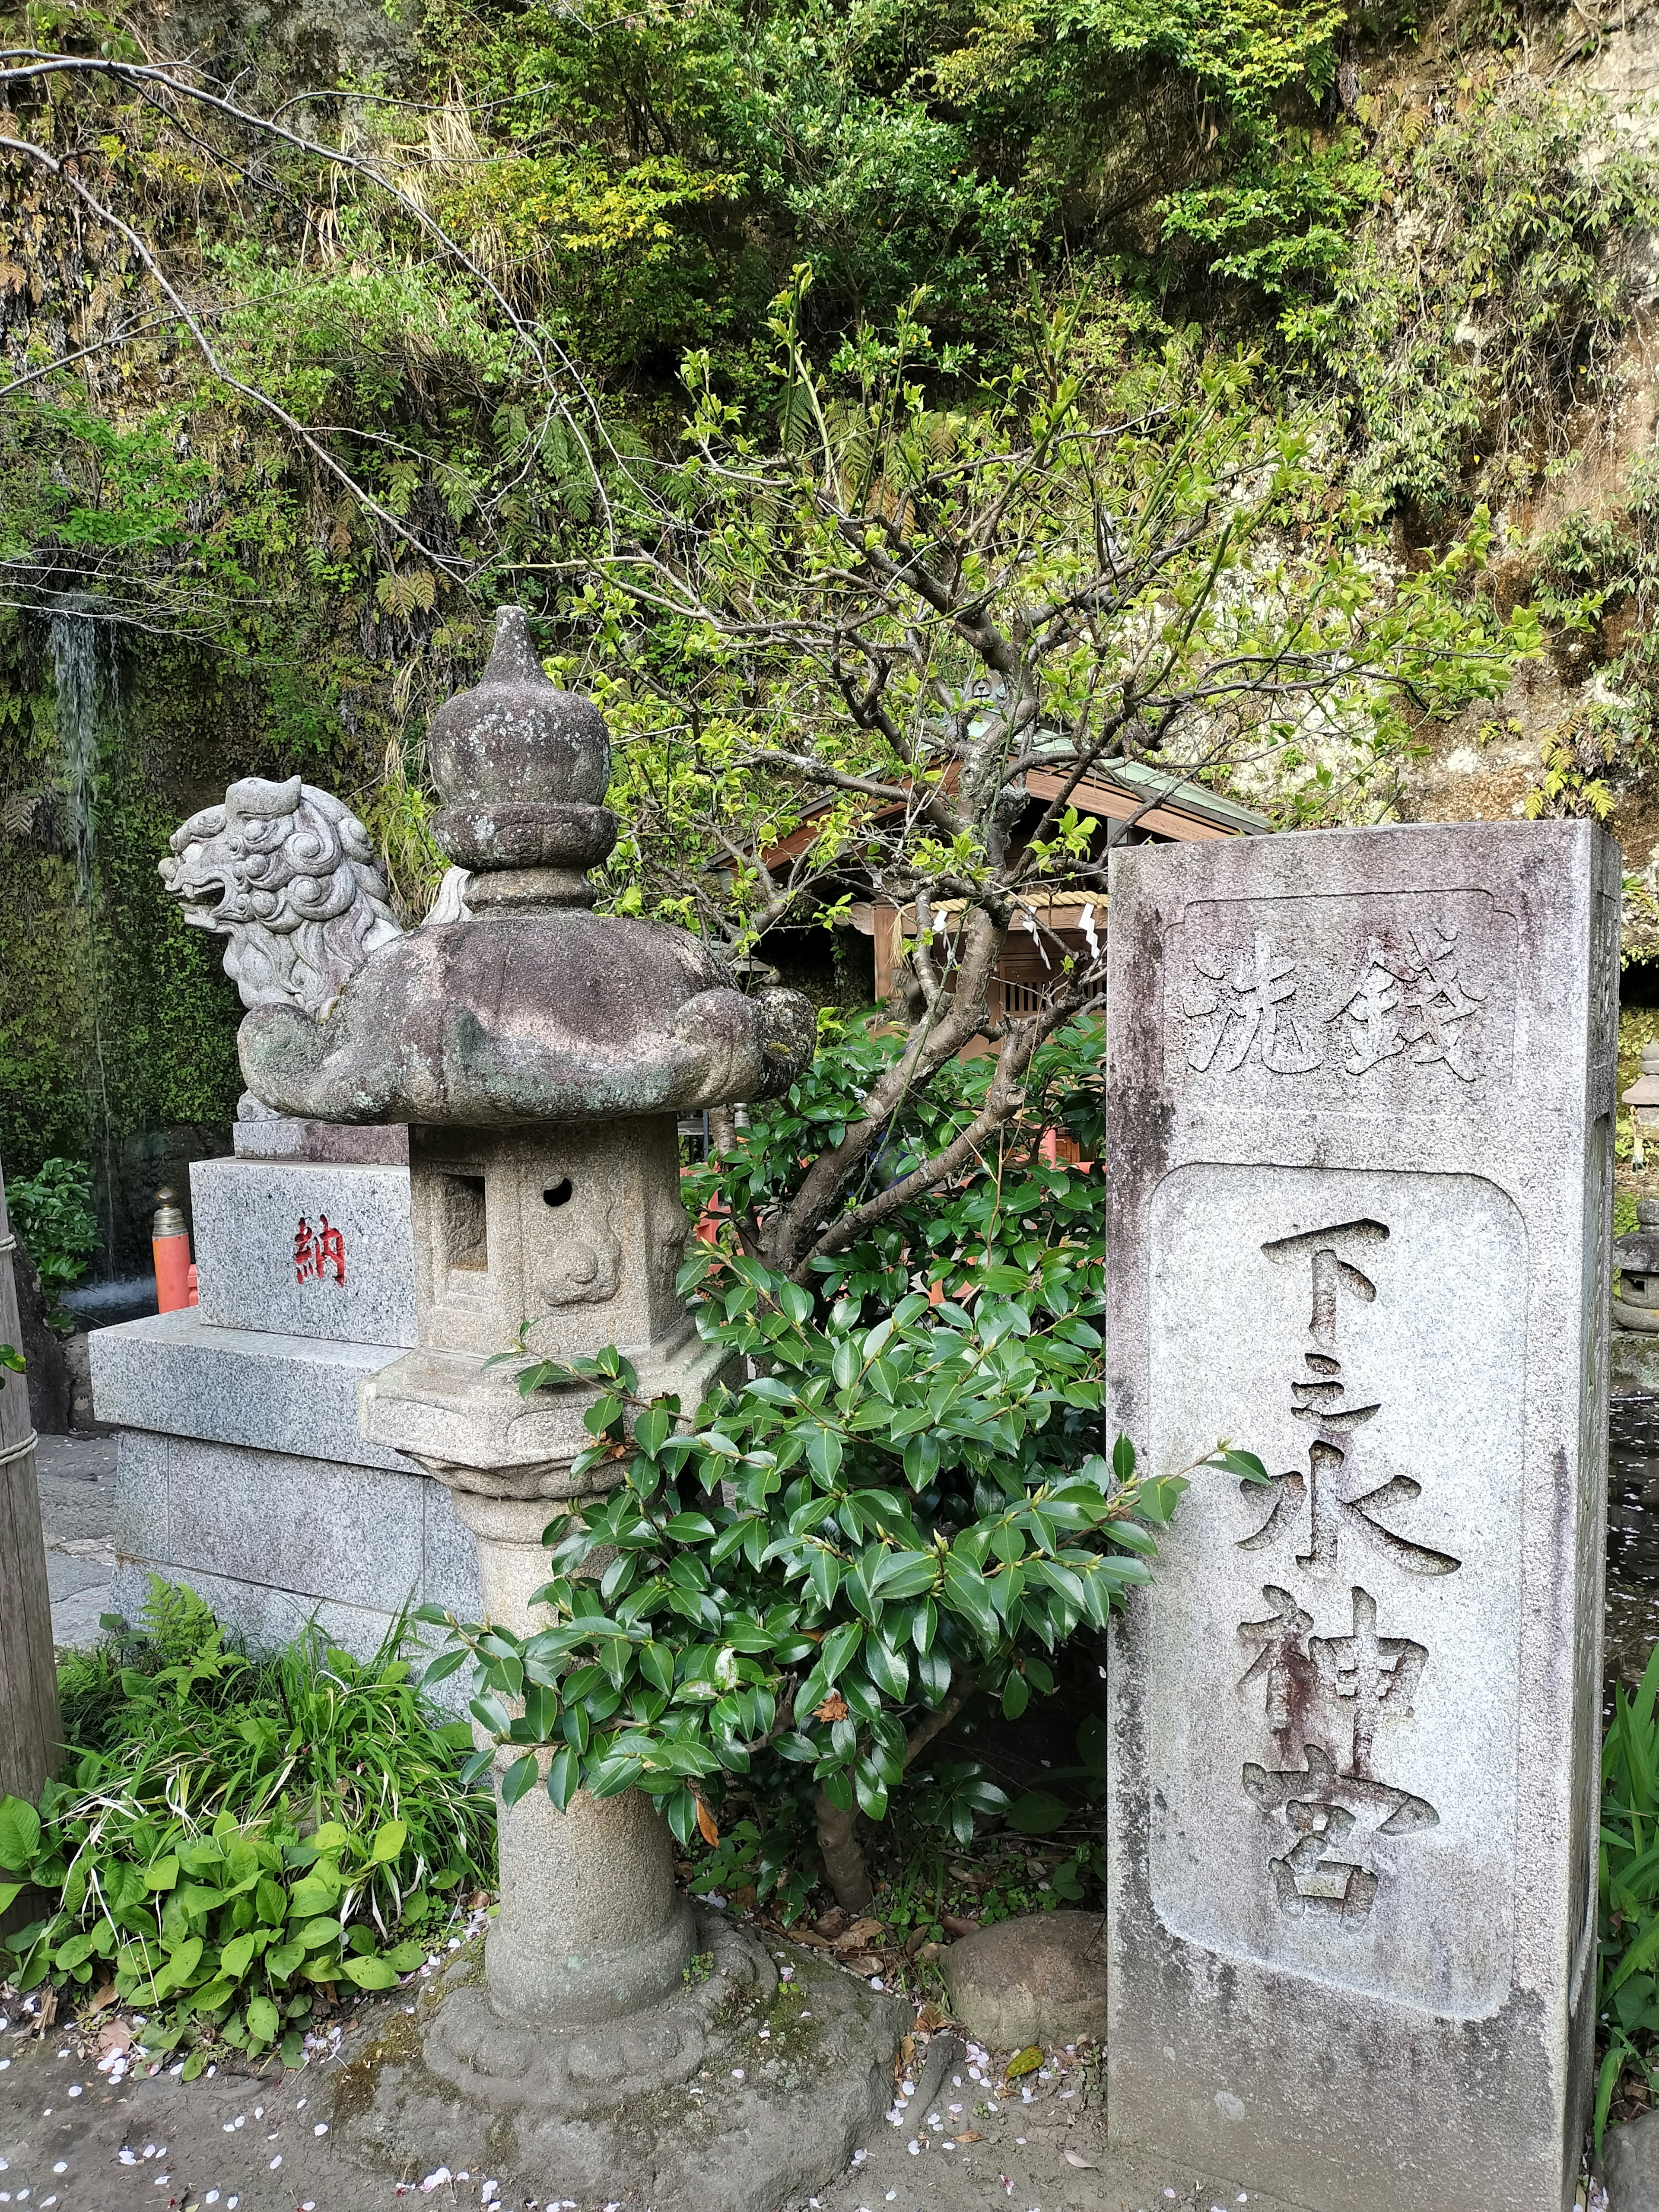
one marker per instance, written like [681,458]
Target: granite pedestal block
[305,1247]
[241,1471]
[1361,1098]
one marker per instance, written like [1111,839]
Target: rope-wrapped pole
[30,1738]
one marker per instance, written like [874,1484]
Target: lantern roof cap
[527,1007]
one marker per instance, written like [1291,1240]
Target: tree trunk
[30,1735]
[844,1865]
[722,1132]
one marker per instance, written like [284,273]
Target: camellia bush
[896,1502]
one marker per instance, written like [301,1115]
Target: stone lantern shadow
[616,2038]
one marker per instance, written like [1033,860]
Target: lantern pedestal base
[684,2106]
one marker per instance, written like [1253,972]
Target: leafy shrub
[902,1532]
[1493,280]
[1037,1223]
[899,1509]
[235,1832]
[52,1212]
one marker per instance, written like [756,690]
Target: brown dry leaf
[930,2017]
[705,1827]
[48,2012]
[907,2051]
[104,2000]
[859,1935]
[830,1923]
[968,2135]
[953,1924]
[833,1708]
[812,1942]
[862,1962]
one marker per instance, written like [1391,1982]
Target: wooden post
[30,1736]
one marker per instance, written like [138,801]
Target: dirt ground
[71,2142]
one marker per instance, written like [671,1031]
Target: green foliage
[1597,593]
[1036,1225]
[769,652]
[1486,291]
[901,1508]
[773,1854]
[820,1613]
[234,1832]
[1284,221]
[900,245]
[1040,1812]
[1627,1952]
[885,148]
[52,1212]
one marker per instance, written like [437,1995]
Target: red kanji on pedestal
[317,1249]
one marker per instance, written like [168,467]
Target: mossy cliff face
[117,1026]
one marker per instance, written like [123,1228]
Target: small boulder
[1041,1978]
[1629,2163]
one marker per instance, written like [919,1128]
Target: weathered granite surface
[577,1229]
[286,874]
[738,2092]
[1629,2165]
[530,1008]
[539,1056]
[305,1248]
[1361,1097]
[278,1137]
[1633,1364]
[187,1377]
[1040,1978]
[272,1539]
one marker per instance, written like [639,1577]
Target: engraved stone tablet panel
[1361,1097]
[1344,1622]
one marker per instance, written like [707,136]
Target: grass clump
[1628,1966]
[233,1835]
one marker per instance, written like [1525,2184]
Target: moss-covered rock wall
[117,1025]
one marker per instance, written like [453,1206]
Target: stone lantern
[541,1056]
[1636,1257]
[1643,1099]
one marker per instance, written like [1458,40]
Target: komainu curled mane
[288,874]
